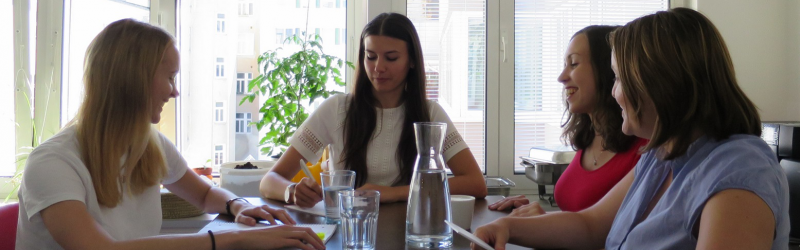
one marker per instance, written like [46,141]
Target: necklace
[594,156]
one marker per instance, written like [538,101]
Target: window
[317,3]
[243,122]
[9,79]
[245,9]
[246,45]
[204,123]
[220,23]
[279,36]
[219,155]
[242,80]
[338,3]
[542,30]
[453,39]
[84,14]
[219,112]
[220,67]
[318,31]
[337,39]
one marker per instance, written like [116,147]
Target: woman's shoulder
[336,103]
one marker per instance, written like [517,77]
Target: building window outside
[338,3]
[279,36]
[221,23]
[243,123]
[318,32]
[220,67]
[336,35]
[245,9]
[242,80]
[219,155]
[219,112]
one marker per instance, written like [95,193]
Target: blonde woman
[95,184]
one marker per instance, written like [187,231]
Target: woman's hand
[278,238]
[495,234]
[250,214]
[530,210]
[388,194]
[509,202]
[307,193]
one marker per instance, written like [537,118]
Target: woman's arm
[580,230]
[72,227]
[274,183]
[467,177]
[736,219]
[213,200]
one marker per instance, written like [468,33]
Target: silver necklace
[594,156]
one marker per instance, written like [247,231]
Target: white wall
[764,41]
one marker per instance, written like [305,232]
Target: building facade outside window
[220,23]
[243,121]
[219,155]
[220,67]
[219,112]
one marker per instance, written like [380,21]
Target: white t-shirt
[325,126]
[55,172]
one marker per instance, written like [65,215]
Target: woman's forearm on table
[468,185]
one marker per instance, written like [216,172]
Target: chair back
[8,225]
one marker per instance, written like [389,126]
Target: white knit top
[325,126]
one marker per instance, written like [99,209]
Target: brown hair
[678,60]
[361,117]
[579,129]
[114,120]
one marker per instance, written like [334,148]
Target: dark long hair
[678,60]
[360,120]
[606,121]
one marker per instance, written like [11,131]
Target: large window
[7,113]
[251,28]
[453,38]
[542,30]
[82,23]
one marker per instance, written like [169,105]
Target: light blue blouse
[709,166]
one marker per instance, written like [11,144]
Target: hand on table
[250,214]
[529,210]
[280,237]
[307,193]
[509,202]
[495,234]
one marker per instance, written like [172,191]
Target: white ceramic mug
[462,207]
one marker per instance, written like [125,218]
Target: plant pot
[203,172]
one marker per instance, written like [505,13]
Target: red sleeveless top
[578,189]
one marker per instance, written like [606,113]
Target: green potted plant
[205,170]
[287,82]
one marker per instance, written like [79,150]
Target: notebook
[328,229]
[318,209]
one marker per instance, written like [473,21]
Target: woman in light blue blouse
[706,179]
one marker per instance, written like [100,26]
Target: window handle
[503,43]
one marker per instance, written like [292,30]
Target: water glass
[359,215]
[334,181]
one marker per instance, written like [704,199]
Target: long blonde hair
[114,120]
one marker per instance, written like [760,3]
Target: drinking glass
[359,216]
[334,181]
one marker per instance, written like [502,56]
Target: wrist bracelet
[228,204]
[213,242]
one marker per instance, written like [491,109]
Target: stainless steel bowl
[543,173]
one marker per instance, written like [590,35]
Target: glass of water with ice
[334,181]
[359,216]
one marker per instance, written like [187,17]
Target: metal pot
[543,173]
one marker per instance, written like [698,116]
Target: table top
[391,222]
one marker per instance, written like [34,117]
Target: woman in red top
[593,127]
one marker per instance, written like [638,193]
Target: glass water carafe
[429,194]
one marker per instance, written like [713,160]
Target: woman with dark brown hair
[593,127]
[706,180]
[371,129]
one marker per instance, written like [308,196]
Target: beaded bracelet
[228,204]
